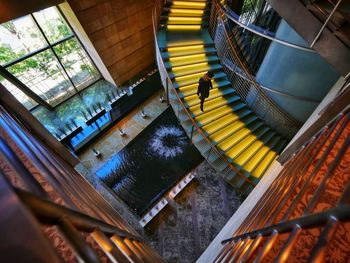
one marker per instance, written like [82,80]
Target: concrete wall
[295,72]
[121,32]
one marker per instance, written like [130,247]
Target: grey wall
[295,72]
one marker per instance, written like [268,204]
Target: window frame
[51,47]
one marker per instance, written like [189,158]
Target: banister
[162,69]
[284,116]
[262,34]
[49,212]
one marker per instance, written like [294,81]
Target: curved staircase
[188,52]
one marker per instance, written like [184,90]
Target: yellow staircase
[188,52]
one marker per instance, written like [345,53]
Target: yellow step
[187,12]
[241,146]
[208,105]
[194,99]
[190,69]
[188,4]
[214,114]
[188,59]
[256,158]
[193,77]
[266,162]
[192,88]
[223,133]
[233,139]
[184,27]
[221,122]
[173,20]
[244,157]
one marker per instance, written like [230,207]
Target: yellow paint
[186,11]
[184,19]
[194,75]
[198,65]
[258,172]
[185,27]
[189,4]
[175,49]
[188,57]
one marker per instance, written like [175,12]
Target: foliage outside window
[43,53]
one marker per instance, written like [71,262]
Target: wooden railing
[247,87]
[311,192]
[177,104]
[44,197]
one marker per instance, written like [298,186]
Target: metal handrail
[48,211]
[276,91]
[228,14]
[162,69]
[342,213]
[325,24]
[284,116]
[261,222]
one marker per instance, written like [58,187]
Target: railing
[58,198]
[177,102]
[247,87]
[312,191]
[262,32]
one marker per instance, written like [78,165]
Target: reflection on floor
[74,107]
[184,229]
[159,157]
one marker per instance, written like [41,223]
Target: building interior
[110,150]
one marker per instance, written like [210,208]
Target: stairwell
[188,52]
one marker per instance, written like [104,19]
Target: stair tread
[225,120]
[245,143]
[195,78]
[189,60]
[230,129]
[214,93]
[195,71]
[214,114]
[244,157]
[191,89]
[189,51]
[258,157]
[213,104]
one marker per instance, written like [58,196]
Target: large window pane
[19,37]
[19,95]
[43,75]
[77,63]
[54,26]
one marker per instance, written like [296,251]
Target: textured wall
[121,31]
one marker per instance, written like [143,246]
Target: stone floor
[186,227]
[188,224]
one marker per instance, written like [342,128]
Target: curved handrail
[228,13]
[275,91]
[283,115]
[162,69]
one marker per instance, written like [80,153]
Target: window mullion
[55,54]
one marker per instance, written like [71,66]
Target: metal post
[325,24]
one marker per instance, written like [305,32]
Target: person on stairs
[203,87]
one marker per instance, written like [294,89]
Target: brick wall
[121,31]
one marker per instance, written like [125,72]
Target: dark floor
[186,227]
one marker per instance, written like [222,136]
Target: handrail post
[192,130]
[167,91]
[325,24]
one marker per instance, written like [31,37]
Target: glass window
[77,63]
[19,37]
[43,53]
[28,102]
[52,23]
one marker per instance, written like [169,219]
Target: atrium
[175,131]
